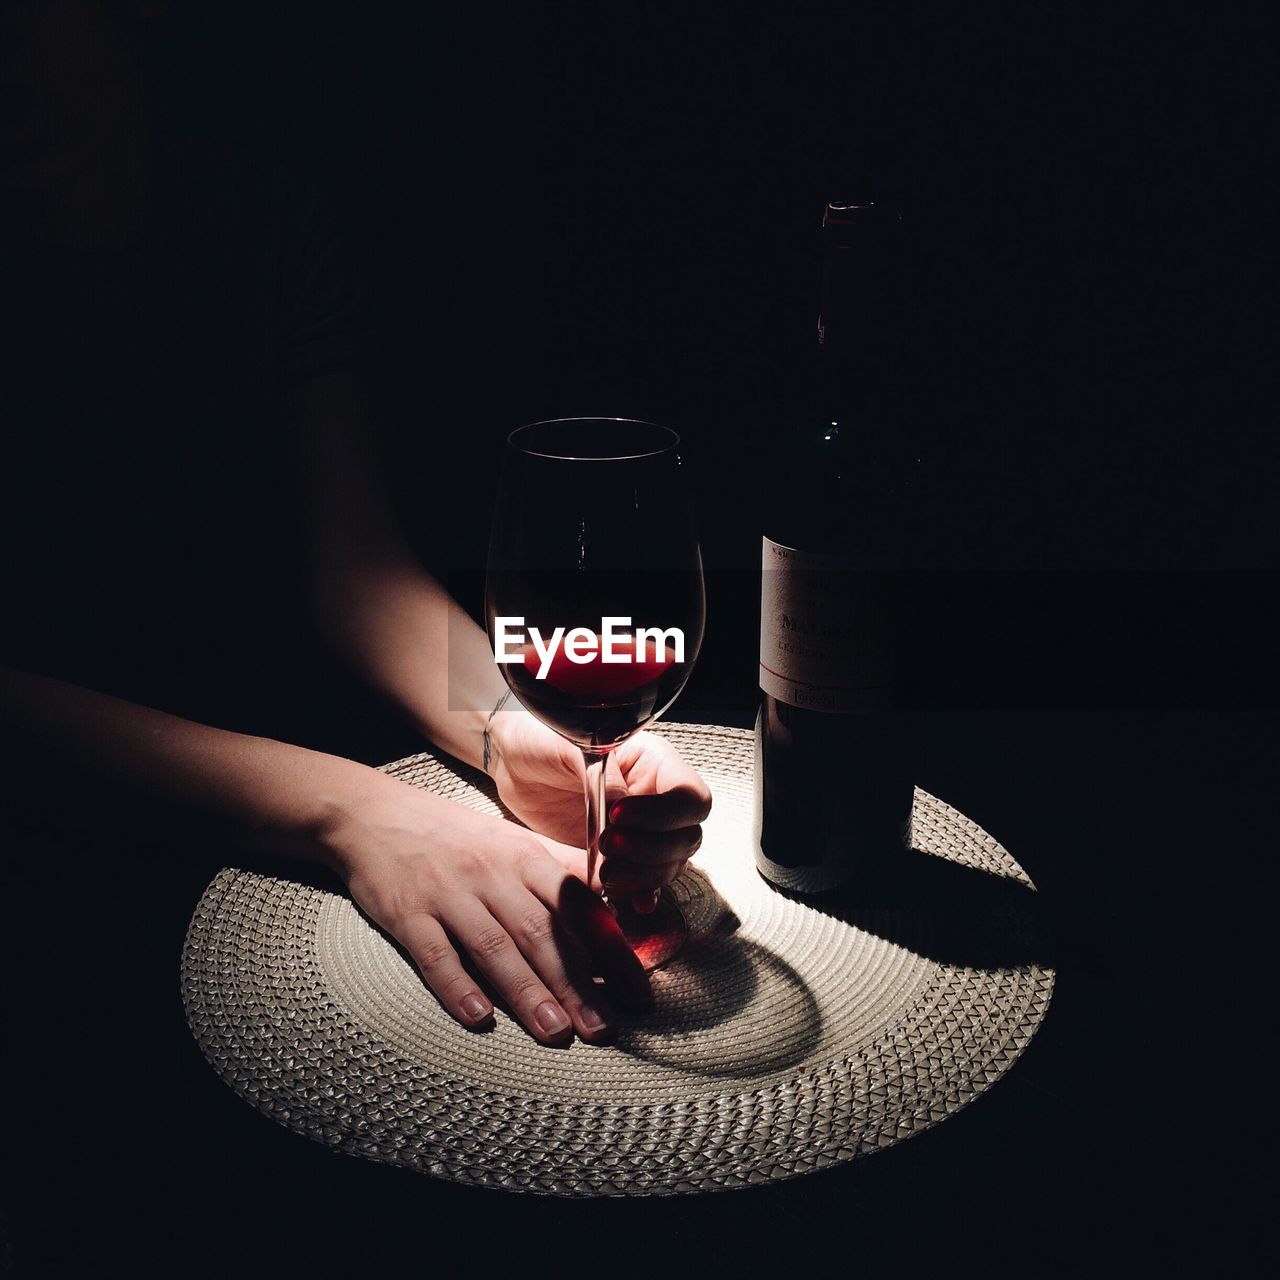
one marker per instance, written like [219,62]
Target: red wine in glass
[592,698]
[595,600]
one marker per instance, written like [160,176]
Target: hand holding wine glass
[655,800]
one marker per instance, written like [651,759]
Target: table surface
[1090,1132]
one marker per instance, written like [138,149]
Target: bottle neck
[858,354]
[861,294]
[854,350]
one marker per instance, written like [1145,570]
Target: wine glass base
[656,938]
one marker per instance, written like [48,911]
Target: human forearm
[268,794]
[419,648]
[376,605]
[427,870]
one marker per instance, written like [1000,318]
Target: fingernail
[615,814]
[593,1019]
[474,1008]
[551,1018]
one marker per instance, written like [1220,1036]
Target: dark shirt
[148,511]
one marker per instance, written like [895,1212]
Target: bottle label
[827,631]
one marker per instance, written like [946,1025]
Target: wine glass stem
[595,761]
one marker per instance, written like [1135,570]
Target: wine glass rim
[673,440]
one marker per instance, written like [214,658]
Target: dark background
[568,212]
[571,210]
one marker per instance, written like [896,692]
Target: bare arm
[424,868]
[270,795]
[377,606]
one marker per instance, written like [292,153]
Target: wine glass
[595,604]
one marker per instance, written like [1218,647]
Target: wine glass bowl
[594,595]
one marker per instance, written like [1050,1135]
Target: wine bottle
[834,760]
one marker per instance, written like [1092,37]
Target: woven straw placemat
[784,1038]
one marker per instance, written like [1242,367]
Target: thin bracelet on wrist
[490,751]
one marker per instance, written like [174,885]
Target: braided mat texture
[782,1040]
